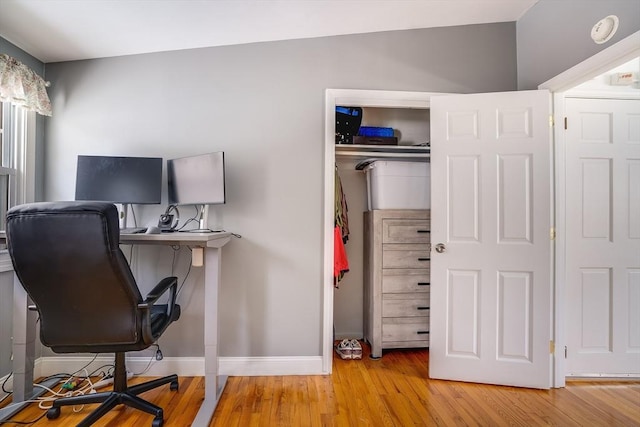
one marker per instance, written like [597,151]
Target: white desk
[212,243]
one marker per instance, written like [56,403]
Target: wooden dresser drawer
[405,256]
[396,329]
[406,231]
[405,305]
[397,285]
[399,280]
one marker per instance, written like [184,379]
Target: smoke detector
[605,29]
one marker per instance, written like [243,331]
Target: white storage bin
[398,185]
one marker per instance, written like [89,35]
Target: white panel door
[491,212]
[603,237]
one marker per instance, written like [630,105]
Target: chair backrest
[67,257]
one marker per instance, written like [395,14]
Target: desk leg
[214,384]
[24,343]
[24,349]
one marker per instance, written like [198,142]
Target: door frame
[602,61]
[616,54]
[351,97]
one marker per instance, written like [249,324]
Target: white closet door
[491,212]
[603,237]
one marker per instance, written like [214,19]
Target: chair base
[111,399]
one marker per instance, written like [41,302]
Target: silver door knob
[440,248]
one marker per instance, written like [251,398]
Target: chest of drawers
[396,274]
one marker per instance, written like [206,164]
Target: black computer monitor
[122,180]
[197,180]
[126,180]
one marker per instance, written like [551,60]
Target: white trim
[5,261]
[27,165]
[186,366]
[592,94]
[604,376]
[261,366]
[558,333]
[8,385]
[615,55]
[355,98]
[328,221]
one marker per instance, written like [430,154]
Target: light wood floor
[393,391]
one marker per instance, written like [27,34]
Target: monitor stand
[203,219]
[124,219]
[123,215]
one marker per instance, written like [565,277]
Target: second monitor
[197,180]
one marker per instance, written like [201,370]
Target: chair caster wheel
[157,422]
[173,385]
[53,413]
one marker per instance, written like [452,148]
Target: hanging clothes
[341,232]
[340,261]
[341,209]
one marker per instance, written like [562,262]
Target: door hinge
[552,347]
[565,123]
[550,120]
[565,351]
[552,233]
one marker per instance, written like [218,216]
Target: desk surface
[215,239]
[211,240]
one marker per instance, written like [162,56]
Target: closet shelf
[397,152]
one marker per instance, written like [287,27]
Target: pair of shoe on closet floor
[349,349]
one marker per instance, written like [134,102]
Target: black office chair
[68,259]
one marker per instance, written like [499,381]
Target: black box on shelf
[375,140]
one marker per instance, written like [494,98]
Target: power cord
[157,356]
[24,423]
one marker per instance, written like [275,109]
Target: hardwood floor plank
[394,391]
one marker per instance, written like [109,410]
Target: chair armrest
[168,283]
[160,289]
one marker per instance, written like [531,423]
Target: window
[17,140]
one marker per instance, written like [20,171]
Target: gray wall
[263,104]
[555,35]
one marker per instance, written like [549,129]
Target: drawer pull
[421,307]
[423,283]
[424,231]
[422,332]
[424,259]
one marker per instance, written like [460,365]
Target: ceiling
[64,30]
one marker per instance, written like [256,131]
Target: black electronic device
[197,180]
[119,179]
[348,120]
[126,180]
[168,221]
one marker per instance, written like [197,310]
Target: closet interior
[383,298]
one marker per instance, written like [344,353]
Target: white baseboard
[185,366]
[266,366]
[349,335]
[7,381]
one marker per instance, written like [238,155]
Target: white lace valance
[20,85]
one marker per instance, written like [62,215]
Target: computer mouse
[152,230]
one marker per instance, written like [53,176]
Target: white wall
[263,104]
